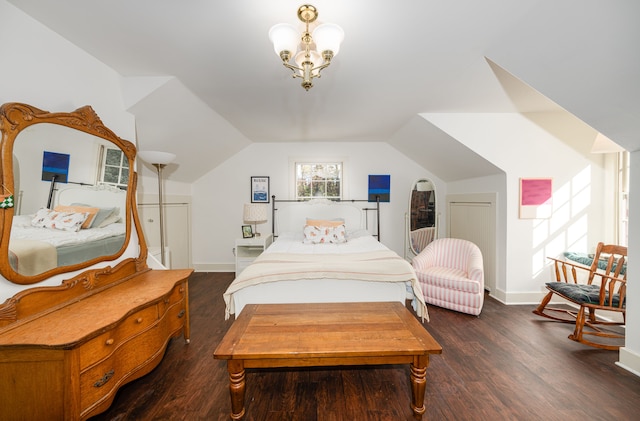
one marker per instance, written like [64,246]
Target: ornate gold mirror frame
[17,118]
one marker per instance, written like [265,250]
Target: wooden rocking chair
[604,289]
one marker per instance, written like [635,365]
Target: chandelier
[316,50]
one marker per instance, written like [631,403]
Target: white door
[177,227]
[475,221]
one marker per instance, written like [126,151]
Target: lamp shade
[284,38]
[255,213]
[156,157]
[328,36]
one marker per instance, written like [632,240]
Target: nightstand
[247,249]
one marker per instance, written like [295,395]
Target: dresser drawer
[176,316]
[177,295]
[104,378]
[105,344]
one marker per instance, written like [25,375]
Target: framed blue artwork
[259,189]
[55,165]
[380,186]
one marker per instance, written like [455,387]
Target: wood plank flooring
[508,364]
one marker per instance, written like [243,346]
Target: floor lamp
[159,160]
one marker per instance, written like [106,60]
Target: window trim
[293,161]
[622,169]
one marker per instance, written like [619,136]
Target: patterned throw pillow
[322,235]
[66,221]
[91,211]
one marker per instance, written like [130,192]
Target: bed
[299,269]
[87,222]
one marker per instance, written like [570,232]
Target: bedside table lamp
[159,160]
[255,213]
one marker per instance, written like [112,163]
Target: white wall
[630,354]
[218,196]
[552,145]
[489,184]
[44,70]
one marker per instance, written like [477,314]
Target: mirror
[423,219]
[72,186]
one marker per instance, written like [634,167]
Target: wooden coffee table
[333,334]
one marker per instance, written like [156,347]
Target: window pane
[111,175]
[318,189]
[124,178]
[304,189]
[114,157]
[333,189]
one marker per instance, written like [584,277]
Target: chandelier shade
[284,38]
[306,54]
[314,57]
[328,37]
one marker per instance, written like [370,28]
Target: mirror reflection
[70,193]
[422,215]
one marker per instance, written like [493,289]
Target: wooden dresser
[65,351]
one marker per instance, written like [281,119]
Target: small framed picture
[536,198]
[247,232]
[259,189]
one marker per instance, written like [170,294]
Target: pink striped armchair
[451,274]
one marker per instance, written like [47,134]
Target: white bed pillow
[66,221]
[102,215]
[114,217]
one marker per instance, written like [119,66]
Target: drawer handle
[180,314]
[139,320]
[107,376]
[109,341]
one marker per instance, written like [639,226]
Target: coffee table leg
[236,388]
[418,384]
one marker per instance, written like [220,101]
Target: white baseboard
[214,267]
[517,298]
[629,360]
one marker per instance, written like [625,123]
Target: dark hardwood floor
[508,364]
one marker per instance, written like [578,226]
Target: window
[114,168]
[623,198]
[321,180]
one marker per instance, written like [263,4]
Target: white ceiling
[221,85]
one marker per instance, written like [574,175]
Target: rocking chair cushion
[582,294]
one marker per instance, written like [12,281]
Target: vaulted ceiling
[203,80]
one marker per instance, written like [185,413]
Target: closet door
[177,227]
[473,219]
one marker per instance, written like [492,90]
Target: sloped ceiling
[224,87]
